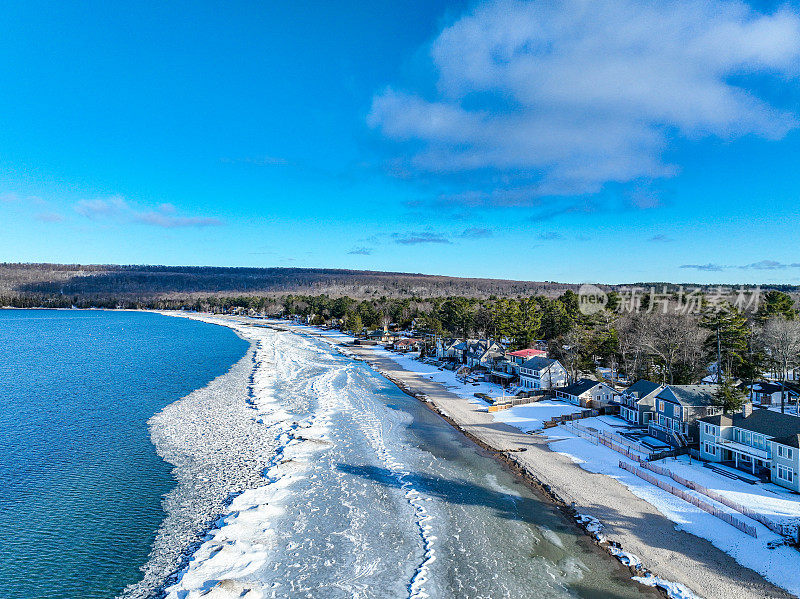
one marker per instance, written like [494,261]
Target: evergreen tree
[776,303]
[728,342]
[729,396]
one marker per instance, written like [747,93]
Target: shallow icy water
[377,496]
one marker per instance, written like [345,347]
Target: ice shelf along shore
[305,473]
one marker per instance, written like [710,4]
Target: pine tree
[728,342]
[729,396]
[776,303]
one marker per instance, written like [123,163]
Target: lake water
[80,482]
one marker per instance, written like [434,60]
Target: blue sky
[608,141]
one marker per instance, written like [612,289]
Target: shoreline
[675,561]
[680,559]
[185,436]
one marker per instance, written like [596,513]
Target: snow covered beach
[364,493]
[682,564]
[685,564]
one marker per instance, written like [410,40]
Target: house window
[785,452]
[660,405]
[785,474]
[710,449]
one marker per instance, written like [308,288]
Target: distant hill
[112,281]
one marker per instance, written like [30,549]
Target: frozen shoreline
[187,435]
[681,564]
[685,560]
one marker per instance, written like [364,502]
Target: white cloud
[165,215]
[563,97]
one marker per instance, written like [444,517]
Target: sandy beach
[628,521]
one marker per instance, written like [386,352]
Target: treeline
[669,346]
[662,345]
[104,282]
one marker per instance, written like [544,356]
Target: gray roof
[580,386]
[791,440]
[690,395]
[762,421]
[643,388]
[538,363]
[767,387]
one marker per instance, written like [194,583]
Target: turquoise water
[80,482]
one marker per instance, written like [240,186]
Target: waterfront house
[588,394]
[506,369]
[637,402]
[445,349]
[483,352]
[460,349]
[760,441]
[767,393]
[677,410]
[542,373]
[407,344]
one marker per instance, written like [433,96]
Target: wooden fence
[784,529]
[556,420]
[693,499]
[612,441]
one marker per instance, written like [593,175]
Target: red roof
[527,353]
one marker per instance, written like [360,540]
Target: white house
[542,373]
[588,393]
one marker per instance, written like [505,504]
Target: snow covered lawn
[445,377]
[532,416]
[767,554]
[774,502]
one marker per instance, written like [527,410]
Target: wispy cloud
[564,97]
[704,267]
[761,265]
[49,217]
[769,265]
[550,236]
[420,237]
[164,215]
[361,251]
[476,233]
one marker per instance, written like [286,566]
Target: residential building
[637,402]
[445,349]
[542,373]
[761,441]
[767,393]
[677,410]
[483,352]
[407,344]
[588,394]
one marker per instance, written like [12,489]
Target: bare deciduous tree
[780,339]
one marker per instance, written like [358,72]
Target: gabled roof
[643,388]
[527,353]
[770,387]
[762,421]
[689,395]
[538,363]
[790,440]
[581,386]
